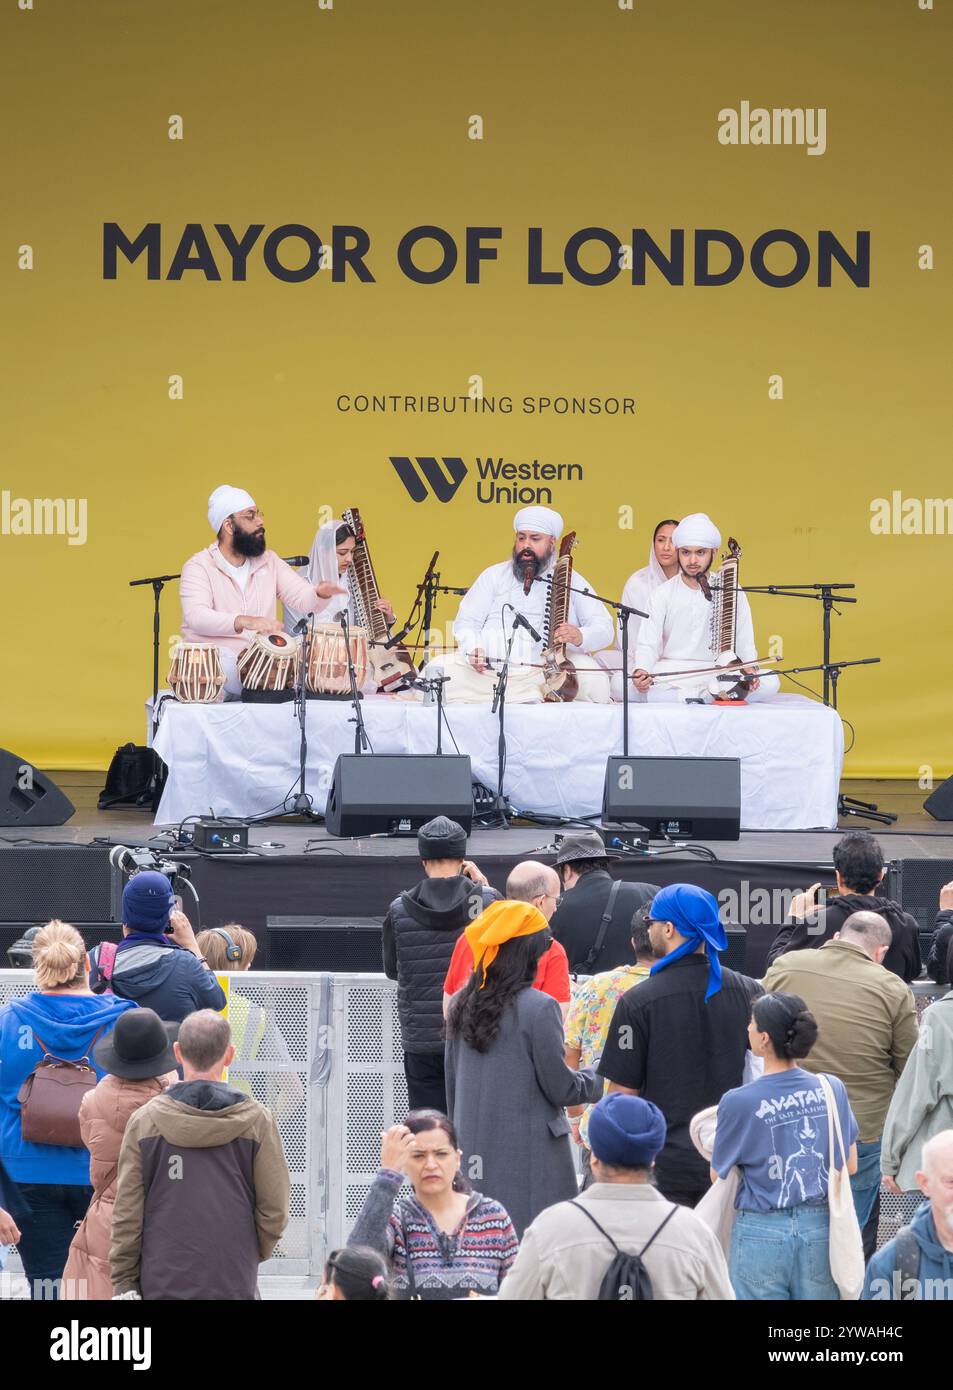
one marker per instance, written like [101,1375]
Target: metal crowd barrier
[323,1052]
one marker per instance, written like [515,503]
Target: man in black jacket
[859,868]
[940,959]
[588,893]
[420,931]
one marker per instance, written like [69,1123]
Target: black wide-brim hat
[138,1047]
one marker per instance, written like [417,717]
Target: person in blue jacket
[62,1016]
[917,1265]
[158,963]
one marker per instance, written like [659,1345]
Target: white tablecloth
[241,760]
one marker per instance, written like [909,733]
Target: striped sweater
[475,1257]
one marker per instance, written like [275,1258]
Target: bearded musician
[677,635]
[484,622]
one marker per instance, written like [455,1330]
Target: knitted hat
[441,838]
[626,1131]
[147,900]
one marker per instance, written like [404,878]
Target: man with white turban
[484,621]
[230,591]
[677,634]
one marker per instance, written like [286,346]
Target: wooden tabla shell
[196,676]
[327,660]
[270,662]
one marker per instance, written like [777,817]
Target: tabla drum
[269,662]
[196,676]
[327,660]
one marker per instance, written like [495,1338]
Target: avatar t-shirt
[775,1130]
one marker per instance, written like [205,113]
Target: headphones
[232,952]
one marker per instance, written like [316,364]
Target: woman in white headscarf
[331,557]
[639,588]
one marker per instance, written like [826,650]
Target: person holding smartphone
[158,963]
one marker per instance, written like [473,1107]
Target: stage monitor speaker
[675,798]
[93,934]
[28,796]
[396,793]
[915,884]
[334,944]
[940,801]
[75,883]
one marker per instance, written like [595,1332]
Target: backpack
[626,1279]
[136,776]
[103,957]
[51,1095]
[907,1263]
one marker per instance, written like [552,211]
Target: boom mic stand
[303,804]
[361,742]
[158,582]
[502,807]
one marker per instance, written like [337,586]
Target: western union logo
[435,475]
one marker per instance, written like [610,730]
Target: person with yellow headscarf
[507,1080]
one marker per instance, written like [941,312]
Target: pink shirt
[211,598]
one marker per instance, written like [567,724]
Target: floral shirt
[590,1013]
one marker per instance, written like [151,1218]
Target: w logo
[442,487]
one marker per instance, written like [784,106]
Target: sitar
[560,682]
[392,666]
[722,592]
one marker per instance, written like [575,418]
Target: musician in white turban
[484,622]
[677,635]
[230,590]
[638,591]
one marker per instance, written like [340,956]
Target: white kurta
[482,623]
[676,636]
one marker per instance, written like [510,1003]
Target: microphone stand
[361,741]
[303,805]
[824,594]
[158,582]
[499,707]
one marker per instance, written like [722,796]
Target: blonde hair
[213,947]
[59,956]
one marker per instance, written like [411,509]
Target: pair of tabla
[271,662]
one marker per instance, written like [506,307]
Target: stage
[295,870]
[240,759]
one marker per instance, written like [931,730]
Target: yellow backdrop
[362,114]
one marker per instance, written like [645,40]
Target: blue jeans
[865,1183]
[55,1209]
[782,1255]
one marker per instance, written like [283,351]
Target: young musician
[331,557]
[676,636]
[230,591]
[484,621]
[638,591]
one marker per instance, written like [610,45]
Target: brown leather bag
[51,1095]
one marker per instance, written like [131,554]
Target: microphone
[301,626]
[529,574]
[520,621]
[296,561]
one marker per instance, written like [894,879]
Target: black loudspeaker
[28,796]
[76,883]
[325,943]
[915,884]
[396,793]
[676,798]
[940,801]
[93,934]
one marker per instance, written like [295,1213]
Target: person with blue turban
[680,1038]
[690,913]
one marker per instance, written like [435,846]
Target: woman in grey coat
[507,1080]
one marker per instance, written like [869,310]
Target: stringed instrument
[392,667]
[722,593]
[560,682]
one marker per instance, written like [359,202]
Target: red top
[552,976]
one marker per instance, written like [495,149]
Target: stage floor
[914,835]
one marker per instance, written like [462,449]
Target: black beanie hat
[441,838]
